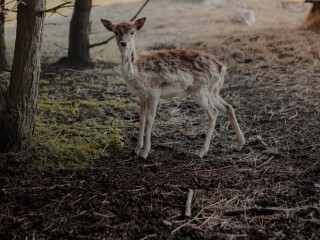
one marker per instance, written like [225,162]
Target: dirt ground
[268,190]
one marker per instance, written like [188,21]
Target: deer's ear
[108,25]
[139,23]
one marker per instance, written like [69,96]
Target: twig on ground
[207,220]
[152,165]
[266,162]
[257,210]
[309,168]
[295,115]
[187,212]
[263,211]
[315,221]
[262,142]
[181,226]
[149,236]
[104,215]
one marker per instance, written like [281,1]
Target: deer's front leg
[142,123]
[151,106]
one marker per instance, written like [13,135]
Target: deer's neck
[129,59]
[129,56]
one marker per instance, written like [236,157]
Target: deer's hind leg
[206,103]
[227,109]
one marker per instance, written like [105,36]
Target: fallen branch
[187,212]
[258,211]
[112,37]
[185,224]
[266,211]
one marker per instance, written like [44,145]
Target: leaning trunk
[18,113]
[313,20]
[79,32]
[3,55]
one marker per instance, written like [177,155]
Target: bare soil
[268,190]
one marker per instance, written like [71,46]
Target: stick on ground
[187,212]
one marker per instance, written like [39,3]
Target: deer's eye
[116,32]
[132,32]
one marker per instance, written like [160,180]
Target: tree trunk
[3,55]
[313,20]
[79,32]
[18,113]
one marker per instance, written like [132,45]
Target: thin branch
[12,9]
[101,43]
[64,48]
[56,8]
[7,3]
[112,37]
[5,69]
[139,11]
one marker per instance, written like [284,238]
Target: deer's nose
[123,43]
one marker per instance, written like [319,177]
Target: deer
[169,73]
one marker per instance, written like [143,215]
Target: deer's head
[124,31]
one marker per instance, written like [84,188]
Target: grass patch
[74,143]
[70,132]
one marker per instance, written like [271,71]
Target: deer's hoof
[240,145]
[137,150]
[144,155]
[141,158]
[196,157]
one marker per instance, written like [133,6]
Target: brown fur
[172,60]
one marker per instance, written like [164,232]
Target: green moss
[64,145]
[73,127]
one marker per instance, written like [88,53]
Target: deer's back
[179,60]
[179,71]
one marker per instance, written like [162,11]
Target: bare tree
[313,20]
[3,55]
[79,32]
[19,109]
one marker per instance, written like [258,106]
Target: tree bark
[79,32]
[313,20]
[3,54]
[18,113]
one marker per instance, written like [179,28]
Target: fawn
[169,73]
